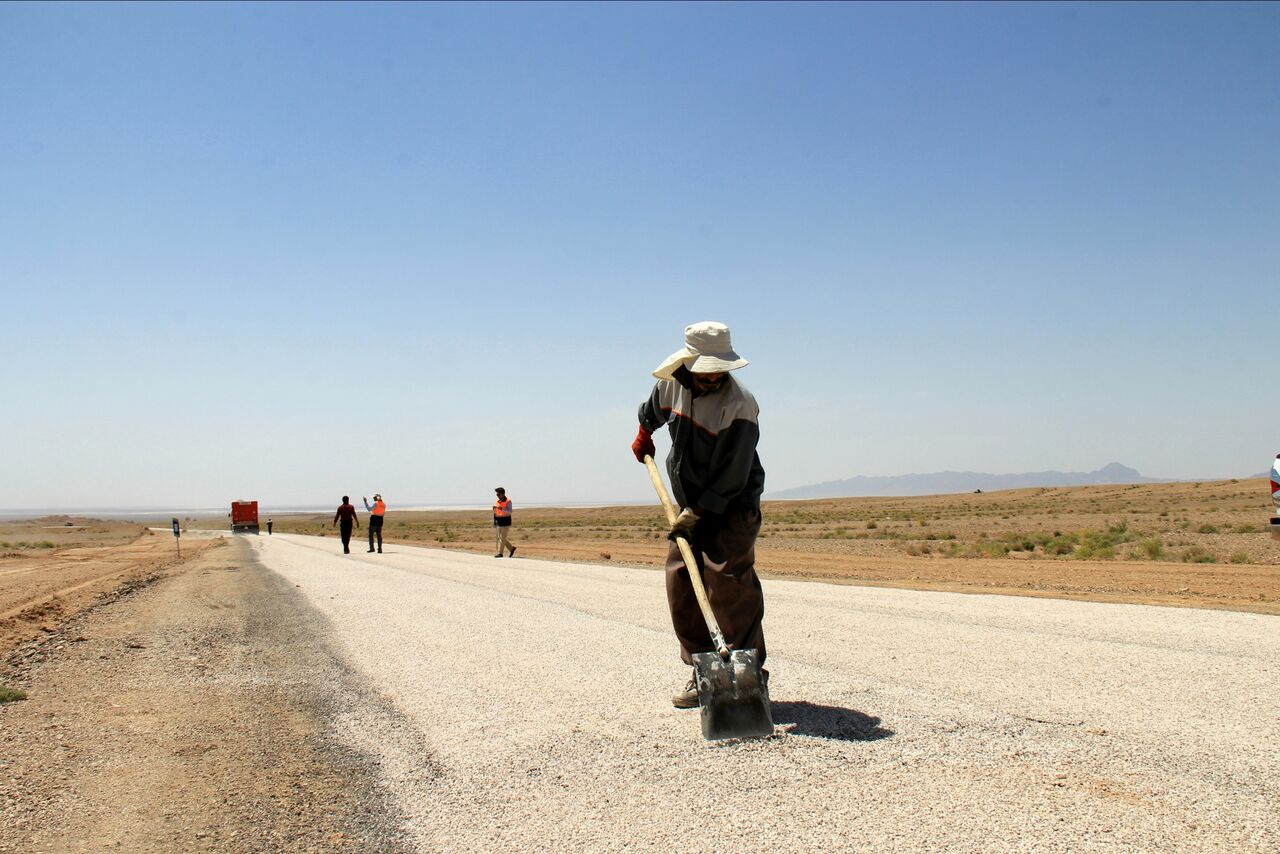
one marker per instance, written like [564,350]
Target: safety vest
[502,509]
[379,509]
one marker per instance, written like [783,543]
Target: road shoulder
[195,714]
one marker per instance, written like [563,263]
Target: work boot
[512,553]
[499,554]
[370,551]
[688,698]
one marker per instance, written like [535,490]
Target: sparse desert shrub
[1101,545]
[871,525]
[1018,542]
[918,549]
[1057,543]
[1208,529]
[1152,548]
[1241,557]
[1244,529]
[9,695]
[1197,554]
[987,548]
[1093,549]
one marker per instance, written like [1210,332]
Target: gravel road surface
[531,710]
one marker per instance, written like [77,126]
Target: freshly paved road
[526,706]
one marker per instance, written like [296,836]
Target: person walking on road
[268,525]
[345,518]
[717,479]
[376,513]
[502,522]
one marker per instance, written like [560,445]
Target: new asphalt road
[522,704]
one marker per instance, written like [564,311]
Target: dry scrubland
[1200,544]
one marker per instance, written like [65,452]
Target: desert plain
[1196,544]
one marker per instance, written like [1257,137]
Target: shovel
[733,697]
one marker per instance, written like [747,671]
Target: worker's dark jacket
[713,461]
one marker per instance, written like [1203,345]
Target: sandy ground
[194,714]
[1202,545]
[53,568]
[534,714]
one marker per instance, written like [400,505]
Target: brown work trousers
[725,547]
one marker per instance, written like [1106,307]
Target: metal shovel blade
[733,697]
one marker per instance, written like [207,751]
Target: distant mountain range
[943,482]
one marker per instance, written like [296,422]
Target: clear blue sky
[292,251]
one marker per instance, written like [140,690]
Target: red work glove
[643,445]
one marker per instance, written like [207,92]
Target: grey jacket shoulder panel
[711,413]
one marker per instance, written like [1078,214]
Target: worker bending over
[717,479]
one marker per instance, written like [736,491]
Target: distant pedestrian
[268,525]
[502,522]
[376,513]
[345,518]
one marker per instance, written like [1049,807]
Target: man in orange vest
[377,511]
[502,522]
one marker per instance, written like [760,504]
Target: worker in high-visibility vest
[502,522]
[377,512]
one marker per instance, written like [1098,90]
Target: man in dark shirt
[717,479]
[344,519]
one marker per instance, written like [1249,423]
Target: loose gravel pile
[531,710]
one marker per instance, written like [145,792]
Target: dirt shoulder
[191,715]
[54,568]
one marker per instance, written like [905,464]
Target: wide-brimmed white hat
[707,350]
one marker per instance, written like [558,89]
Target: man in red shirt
[346,515]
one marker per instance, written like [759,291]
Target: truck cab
[1275,498]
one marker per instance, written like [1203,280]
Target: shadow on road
[803,718]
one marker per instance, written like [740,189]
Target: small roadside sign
[177,532]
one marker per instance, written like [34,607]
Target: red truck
[244,517]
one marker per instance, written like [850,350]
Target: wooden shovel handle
[690,562]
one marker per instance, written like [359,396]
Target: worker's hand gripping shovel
[733,697]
